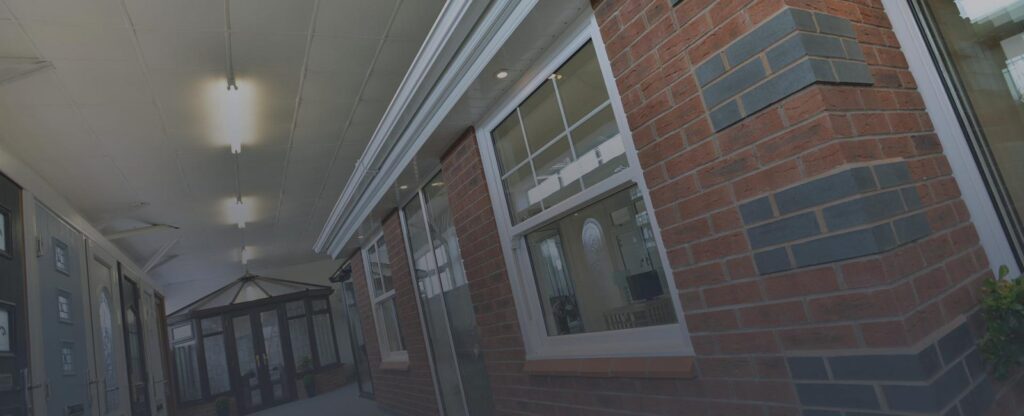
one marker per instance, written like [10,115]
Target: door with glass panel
[61,286]
[153,353]
[109,372]
[262,372]
[360,359]
[979,48]
[135,354]
[14,351]
[445,303]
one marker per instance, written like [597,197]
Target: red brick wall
[405,392]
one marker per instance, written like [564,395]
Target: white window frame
[387,356]
[951,135]
[663,340]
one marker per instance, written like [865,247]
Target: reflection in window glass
[597,269]
[212,325]
[295,308]
[107,336]
[301,354]
[571,138]
[324,339]
[983,42]
[187,371]
[216,364]
[389,314]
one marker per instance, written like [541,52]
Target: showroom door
[138,386]
[262,373]
[109,373]
[63,298]
[13,324]
[361,361]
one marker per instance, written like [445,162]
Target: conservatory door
[108,341]
[261,366]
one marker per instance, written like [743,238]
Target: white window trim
[664,340]
[943,115]
[400,356]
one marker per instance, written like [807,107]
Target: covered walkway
[342,402]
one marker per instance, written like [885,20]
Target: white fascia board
[408,124]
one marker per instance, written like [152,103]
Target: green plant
[1003,308]
[223,406]
[306,364]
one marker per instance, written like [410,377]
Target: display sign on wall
[60,256]
[5,330]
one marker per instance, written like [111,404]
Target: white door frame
[967,173]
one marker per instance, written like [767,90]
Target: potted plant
[223,406]
[1002,305]
[306,366]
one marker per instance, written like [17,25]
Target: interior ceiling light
[238,212]
[403,187]
[501,74]
[236,148]
[246,255]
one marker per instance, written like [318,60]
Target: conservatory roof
[248,288]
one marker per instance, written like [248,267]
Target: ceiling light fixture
[501,74]
[246,255]
[403,187]
[236,148]
[238,212]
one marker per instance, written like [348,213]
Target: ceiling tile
[13,42]
[415,18]
[92,12]
[355,17]
[123,120]
[210,174]
[292,16]
[104,82]
[349,54]
[40,88]
[177,14]
[397,55]
[307,170]
[60,41]
[257,50]
[321,122]
[183,50]
[331,86]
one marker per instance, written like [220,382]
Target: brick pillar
[805,202]
[407,391]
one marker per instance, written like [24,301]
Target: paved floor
[342,402]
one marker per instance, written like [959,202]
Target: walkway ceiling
[114,103]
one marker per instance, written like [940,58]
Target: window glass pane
[984,53]
[109,372]
[212,325]
[541,117]
[563,162]
[374,268]
[295,308]
[385,265]
[319,305]
[181,332]
[324,339]
[187,371]
[599,148]
[216,363]
[549,164]
[598,270]
[509,143]
[517,187]
[299,333]
[389,326]
[581,84]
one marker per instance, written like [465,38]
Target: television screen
[644,286]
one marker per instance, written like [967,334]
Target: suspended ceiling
[114,103]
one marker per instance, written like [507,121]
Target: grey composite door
[109,373]
[63,296]
[13,325]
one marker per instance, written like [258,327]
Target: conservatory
[255,343]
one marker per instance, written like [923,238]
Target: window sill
[394,365]
[639,367]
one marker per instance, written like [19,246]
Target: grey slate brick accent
[756,211]
[807,368]
[928,398]
[911,198]
[844,246]
[820,412]
[799,49]
[784,230]
[892,174]
[955,343]
[834,25]
[821,191]
[890,367]
[914,227]
[863,211]
[726,116]
[848,396]
[710,70]
[979,399]
[975,364]
[772,261]
[953,411]
[732,84]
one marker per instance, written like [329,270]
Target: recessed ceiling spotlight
[403,187]
[501,74]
